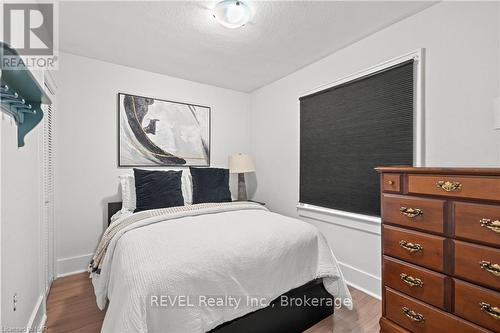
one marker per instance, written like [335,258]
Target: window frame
[311,211]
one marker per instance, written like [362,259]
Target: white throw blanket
[162,273]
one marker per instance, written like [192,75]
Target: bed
[238,250]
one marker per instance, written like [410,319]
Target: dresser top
[443,171]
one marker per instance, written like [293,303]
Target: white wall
[20,222]
[20,218]
[86,140]
[461,79]
[1,223]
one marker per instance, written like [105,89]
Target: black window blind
[348,130]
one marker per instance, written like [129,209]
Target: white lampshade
[241,163]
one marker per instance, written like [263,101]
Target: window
[349,129]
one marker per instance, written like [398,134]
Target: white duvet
[185,273]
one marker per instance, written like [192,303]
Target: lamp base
[242,188]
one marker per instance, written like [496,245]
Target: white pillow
[129,199]
[187,187]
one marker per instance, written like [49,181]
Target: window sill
[366,223]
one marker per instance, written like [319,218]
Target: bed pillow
[127,183]
[210,185]
[187,187]
[157,189]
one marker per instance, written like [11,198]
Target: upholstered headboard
[113,207]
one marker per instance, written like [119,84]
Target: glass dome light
[232,13]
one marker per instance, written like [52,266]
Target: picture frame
[155,132]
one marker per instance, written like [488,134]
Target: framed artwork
[155,132]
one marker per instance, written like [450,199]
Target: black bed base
[275,318]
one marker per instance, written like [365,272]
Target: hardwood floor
[71,308]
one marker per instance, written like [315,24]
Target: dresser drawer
[391,182]
[487,188]
[414,247]
[417,282]
[479,305]
[476,263]
[418,213]
[477,222]
[418,317]
[387,326]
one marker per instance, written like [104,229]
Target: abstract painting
[156,132]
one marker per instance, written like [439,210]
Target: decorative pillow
[127,183]
[187,187]
[157,189]
[210,185]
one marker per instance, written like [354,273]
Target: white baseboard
[73,265]
[361,280]
[38,317]
[41,325]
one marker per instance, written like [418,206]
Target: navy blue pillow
[210,185]
[157,189]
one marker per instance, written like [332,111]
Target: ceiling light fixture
[232,13]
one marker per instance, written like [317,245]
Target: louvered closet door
[48,193]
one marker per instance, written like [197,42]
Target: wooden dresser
[440,250]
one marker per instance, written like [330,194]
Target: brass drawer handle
[493,311]
[492,225]
[449,186]
[411,281]
[410,246]
[492,268]
[415,316]
[411,212]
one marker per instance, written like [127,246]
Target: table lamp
[240,164]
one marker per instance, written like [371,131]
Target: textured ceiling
[182,39]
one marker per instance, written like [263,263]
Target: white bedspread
[157,272]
